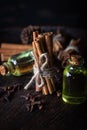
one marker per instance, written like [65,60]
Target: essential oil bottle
[18,64]
[74,89]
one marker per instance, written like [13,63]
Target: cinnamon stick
[15,46]
[49,85]
[41,37]
[9,49]
[4,57]
[49,44]
[35,35]
[35,51]
[41,45]
[36,59]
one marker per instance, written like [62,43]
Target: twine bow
[38,70]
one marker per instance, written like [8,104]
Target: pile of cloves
[7,92]
[33,100]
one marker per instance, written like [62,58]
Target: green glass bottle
[74,89]
[18,64]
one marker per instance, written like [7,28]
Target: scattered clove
[8,96]
[7,92]
[59,93]
[33,100]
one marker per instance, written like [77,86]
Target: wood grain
[56,115]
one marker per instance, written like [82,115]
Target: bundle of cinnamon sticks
[9,49]
[43,52]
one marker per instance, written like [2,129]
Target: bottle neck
[8,67]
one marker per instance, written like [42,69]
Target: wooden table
[55,115]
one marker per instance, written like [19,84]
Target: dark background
[20,13]
[56,115]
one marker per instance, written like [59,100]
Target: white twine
[70,47]
[37,72]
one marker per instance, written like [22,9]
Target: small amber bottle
[74,89]
[18,64]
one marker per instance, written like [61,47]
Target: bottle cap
[76,60]
[2,70]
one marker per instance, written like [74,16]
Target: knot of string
[40,71]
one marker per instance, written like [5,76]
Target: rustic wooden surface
[56,115]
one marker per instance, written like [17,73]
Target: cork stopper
[3,70]
[76,60]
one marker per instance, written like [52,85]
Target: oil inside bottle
[74,89]
[20,64]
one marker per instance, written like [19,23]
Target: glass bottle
[18,64]
[74,89]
